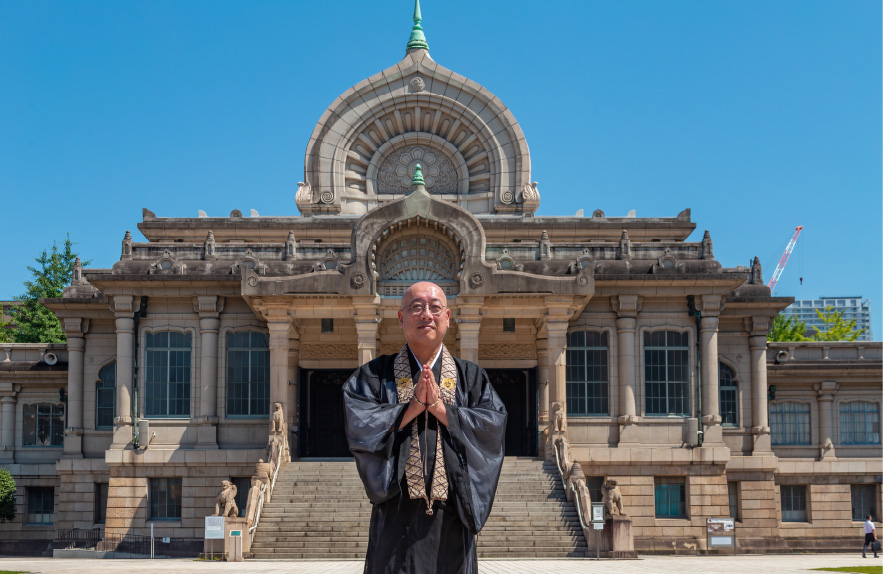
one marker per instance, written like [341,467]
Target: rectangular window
[860,421]
[733,499]
[793,502]
[106,397]
[587,373]
[669,497]
[248,374]
[667,374]
[164,498]
[328,326]
[43,424]
[790,423]
[728,396]
[41,505]
[167,380]
[863,502]
[594,485]
[100,509]
[509,325]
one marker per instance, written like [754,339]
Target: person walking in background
[871,536]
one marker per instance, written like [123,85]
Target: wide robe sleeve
[476,426]
[371,417]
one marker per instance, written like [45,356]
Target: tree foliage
[787,328]
[7,496]
[32,322]
[835,327]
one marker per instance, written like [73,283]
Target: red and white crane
[784,259]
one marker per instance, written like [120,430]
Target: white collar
[433,362]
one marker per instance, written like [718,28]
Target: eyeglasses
[435,309]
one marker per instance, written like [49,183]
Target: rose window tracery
[410,257]
[397,169]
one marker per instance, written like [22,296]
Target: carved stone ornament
[329,262]
[417,84]
[397,170]
[557,418]
[477,280]
[329,351]
[277,420]
[327,197]
[358,280]
[583,280]
[208,304]
[508,351]
[167,264]
[304,196]
[613,499]
[249,261]
[668,262]
[226,504]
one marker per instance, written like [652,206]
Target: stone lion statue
[557,418]
[277,420]
[613,500]
[226,504]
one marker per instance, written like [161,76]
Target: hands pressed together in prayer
[426,391]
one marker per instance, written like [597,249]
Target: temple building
[649,352]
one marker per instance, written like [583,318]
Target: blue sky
[757,115]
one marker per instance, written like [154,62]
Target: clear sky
[758,115]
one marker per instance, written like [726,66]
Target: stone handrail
[571,475]
[278,452]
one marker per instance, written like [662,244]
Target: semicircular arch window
[406,258]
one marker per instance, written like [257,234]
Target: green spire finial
[417,41]
[418,178]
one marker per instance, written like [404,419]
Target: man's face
[424,330]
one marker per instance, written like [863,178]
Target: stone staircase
[319,510]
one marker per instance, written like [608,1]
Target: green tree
[786,328]
[31,321]
[836,327]
[7,496]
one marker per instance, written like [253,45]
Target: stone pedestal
[617,541]
[241,524]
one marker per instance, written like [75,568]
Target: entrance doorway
[321,421]
[517,388]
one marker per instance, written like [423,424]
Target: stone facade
[321,292]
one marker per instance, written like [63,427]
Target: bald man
[426,430]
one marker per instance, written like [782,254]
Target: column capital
[757,325]
[709,305]
[758,342]
[626,305]
[709,323]
[826,389]
[125,305]
[208,306]
[75,327]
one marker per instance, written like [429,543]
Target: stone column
[367,327]
[757,328]
[469,321]
[209,309]
[543,394]
[8,401]
[124,309]
[291,406]
[710,306]
[627,308]
[557,341]
[280,327]
[825,403]
[73,435]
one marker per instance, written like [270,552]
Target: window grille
[669,497]
[41,505]
[733,499]
[164,497]
[790,423]
[43,424]
[106,397]
[863,502]
[248,374]
[667,374]
[793,502]
[587,373]
[860,421]
[727,396]
[168,375]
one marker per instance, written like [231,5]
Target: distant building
[852,307]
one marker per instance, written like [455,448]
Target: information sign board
[214,528]
[598,512]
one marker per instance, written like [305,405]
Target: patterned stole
[415,471]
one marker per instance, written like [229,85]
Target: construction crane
[784,259]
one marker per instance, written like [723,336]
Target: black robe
[402,536]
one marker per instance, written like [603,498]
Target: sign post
[720,533]
[598,524]
[214,530]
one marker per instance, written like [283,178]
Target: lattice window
[43,425]
[106,397]
[860,423]
[164,498]
[587,373]
[728,396]
[793,502]
[167,375]
[41,505]
[248,374]
[667,374]
[863,502]
[407,259]
[790,423]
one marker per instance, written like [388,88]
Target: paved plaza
[780,564]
